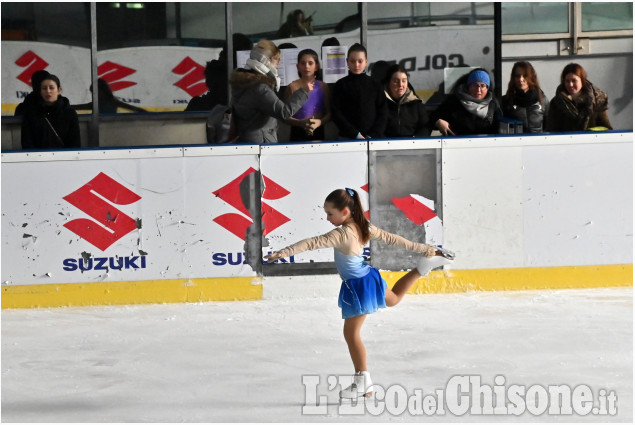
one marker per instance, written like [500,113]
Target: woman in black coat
[50,122]
[524,100]
[470,109]
[578,104]
[407,116]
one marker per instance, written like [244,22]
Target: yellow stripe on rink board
[143,292]
[514,279]
[250,288]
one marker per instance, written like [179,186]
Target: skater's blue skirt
[364,295]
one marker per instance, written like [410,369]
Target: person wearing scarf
[525,101]
[471,108]
[578,105]
[256,106]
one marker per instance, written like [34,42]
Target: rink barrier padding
[514,222]
[250,288]
[514,279]
[142,292]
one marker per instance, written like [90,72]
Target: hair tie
[350,191]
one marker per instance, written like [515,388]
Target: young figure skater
[308,123]
[363,289]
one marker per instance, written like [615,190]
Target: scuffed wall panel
[482,205]
[539,201]
[296,186]
[405,200]
[123,219]
[578,204]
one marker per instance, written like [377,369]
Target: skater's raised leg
[403,285]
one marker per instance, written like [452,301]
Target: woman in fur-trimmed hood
[255,103]
[407,116]
[578,105]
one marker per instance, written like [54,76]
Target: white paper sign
[334,63]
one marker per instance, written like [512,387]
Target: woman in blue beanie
[471,108]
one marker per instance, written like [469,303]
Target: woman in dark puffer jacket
[407,116]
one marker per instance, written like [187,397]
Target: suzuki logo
[32,63]
[237,223]
[194,80]
[110,224]
[113,72]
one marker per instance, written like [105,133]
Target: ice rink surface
[247,361]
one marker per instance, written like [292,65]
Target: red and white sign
[155,78]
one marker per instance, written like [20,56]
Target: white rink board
[578,204]
[482,212]
[507,202]
[534,204]
[176,236]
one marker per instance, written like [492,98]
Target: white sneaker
[426,264]
[362,386]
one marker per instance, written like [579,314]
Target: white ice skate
[426,264]
[362,386]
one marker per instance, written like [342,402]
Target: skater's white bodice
[348,249]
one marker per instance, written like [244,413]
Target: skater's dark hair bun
[349,198]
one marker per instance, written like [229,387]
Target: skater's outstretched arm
[391,239]
[334,238]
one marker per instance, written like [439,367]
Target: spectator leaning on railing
[471,107]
